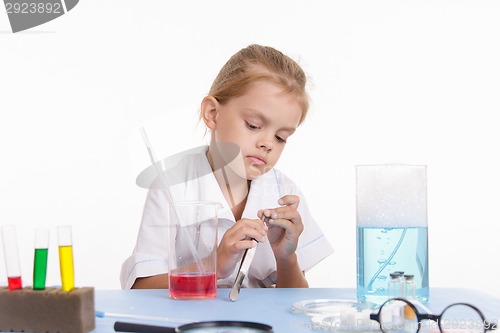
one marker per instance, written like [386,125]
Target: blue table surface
[269,306]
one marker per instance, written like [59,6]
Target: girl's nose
[265,142]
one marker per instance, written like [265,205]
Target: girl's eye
[251,126]
[280,139]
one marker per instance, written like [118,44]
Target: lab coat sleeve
[313,246]
[150,256]
[141,265]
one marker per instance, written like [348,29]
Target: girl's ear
[209,107]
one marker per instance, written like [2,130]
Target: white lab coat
[191,178]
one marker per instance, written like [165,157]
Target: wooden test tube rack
[48,311]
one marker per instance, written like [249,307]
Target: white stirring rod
[102,314]
[170,199]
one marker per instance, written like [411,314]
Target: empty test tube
[66,257]
[11,254]
[40,262]
[395,287]
[410,288]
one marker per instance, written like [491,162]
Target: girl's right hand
[235,241]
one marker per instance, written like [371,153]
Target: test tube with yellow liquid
[66,257]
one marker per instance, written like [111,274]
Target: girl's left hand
[285,226]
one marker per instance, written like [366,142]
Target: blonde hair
[257,62]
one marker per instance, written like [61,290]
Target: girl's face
[259,122]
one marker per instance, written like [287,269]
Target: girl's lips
[257,160]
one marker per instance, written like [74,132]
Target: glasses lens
[398,316]
[462,318]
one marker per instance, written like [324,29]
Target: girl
[255,104]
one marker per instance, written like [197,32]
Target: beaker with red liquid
[193,285]
[192,235]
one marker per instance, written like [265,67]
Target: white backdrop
[412,82]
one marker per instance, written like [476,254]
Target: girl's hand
[235,241]
[285,226]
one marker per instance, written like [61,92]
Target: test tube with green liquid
[40,263]
[66,258]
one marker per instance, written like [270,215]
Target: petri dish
[333,323]
[332,307]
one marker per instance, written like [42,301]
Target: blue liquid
[382,251]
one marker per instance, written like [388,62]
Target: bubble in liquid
[391,263]
[382,277]
[381,261]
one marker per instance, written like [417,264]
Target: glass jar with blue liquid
[391,223]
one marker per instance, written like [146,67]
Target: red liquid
[15,283]
[193,285]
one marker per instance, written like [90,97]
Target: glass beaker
[391,221]
[192,239]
